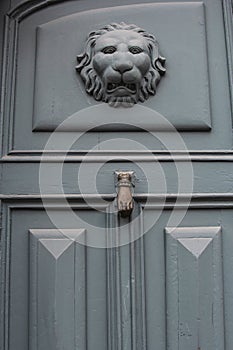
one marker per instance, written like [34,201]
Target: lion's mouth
[130,87]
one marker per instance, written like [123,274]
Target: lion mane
[93,83]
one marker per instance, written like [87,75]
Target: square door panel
[182,95]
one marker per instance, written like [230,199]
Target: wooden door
[75,274]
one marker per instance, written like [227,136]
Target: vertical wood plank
[126,282]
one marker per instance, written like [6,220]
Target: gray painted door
[75,275]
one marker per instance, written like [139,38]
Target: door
[116,175]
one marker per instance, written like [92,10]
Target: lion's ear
[159,64]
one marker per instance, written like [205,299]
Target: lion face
[121,60]
[121,66]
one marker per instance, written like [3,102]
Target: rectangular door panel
[194,288]
[57,290]
[56,295]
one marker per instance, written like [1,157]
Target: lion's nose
[123,66]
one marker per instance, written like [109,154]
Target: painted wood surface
[194,288]
[57,290]
[169,291]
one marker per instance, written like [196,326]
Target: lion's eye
[109,49]
[135,49]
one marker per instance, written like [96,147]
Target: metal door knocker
[125,186]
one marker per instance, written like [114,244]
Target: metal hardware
[125,184]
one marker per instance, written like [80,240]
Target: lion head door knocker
[121,64]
